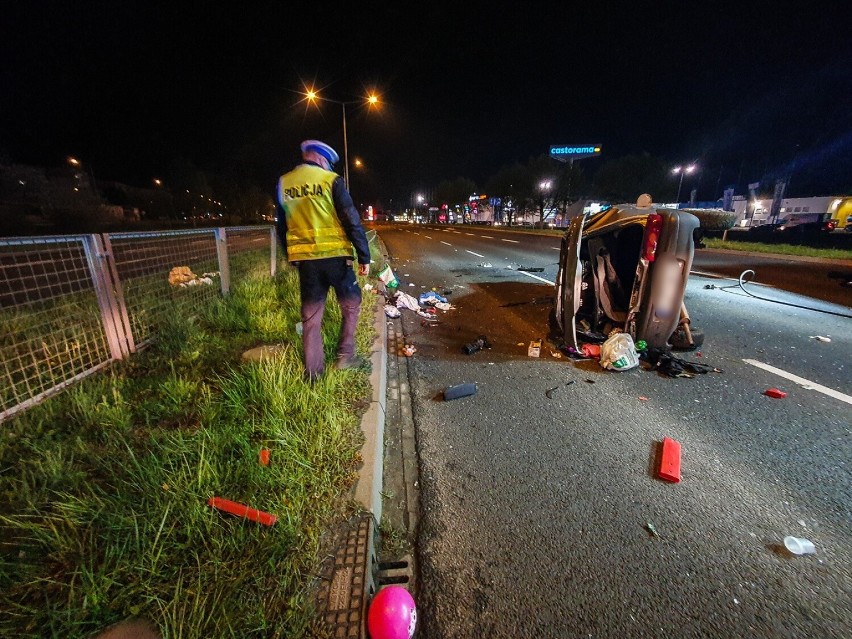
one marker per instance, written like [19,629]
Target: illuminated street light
[682,170]
[371,100]
[77,164]
[158,182]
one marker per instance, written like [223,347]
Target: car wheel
[679,341]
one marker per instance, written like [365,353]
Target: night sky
[748,90]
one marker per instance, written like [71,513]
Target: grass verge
[777,249]
[104,488]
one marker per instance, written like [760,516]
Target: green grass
[104,487]
[778,249]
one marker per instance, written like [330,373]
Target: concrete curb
[368,488]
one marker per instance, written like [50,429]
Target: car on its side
[626,268]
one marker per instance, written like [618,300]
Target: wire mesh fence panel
[249,251]
[162,273]
[51,325]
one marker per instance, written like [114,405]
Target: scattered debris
[408,350]
[476,345]
[650,527]
[549,392]
[642,398]
[264,457]
[183,277]
[534,349]
[530,269]
[775,393]
[820,338]
[670,460]
[486,265]
[799,545]
[241,510]
[556,354]
[672,366]
[459,390]
[618,353]
[392,311]
[386,275]
[591,350]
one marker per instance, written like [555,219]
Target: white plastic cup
[799,545]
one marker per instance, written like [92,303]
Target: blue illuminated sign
[568,152]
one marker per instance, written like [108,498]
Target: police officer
[318,225]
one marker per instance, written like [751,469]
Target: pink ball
[392,614]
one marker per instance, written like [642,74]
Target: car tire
[679,342]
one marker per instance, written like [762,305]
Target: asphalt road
[538,493]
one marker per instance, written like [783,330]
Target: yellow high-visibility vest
[313,228]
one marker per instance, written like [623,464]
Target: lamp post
[545,187]
[77,164]
[682,170]
[371,100]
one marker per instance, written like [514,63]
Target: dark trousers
[315,278]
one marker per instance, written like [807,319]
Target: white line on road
[555,248]
[805,383]
[513,241]
[427,237]
[472,253]
[447,243]
[488,237]
[536,277]
[471,234]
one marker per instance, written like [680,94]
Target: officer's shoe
[354,362]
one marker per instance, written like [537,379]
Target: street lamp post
[371,100]
[682,170]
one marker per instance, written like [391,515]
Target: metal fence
[70,305]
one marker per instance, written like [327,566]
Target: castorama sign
[568,152]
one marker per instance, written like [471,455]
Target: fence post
[222,254]
[96,257]
[273,265]
[111,272]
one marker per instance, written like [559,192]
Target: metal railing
[70,305]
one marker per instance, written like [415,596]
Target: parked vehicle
[626,268]
[795,226]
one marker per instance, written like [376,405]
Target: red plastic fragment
[264,457]
[670,460]
[776,393]
[241,510]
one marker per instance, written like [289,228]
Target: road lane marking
[536,277]
[427,237]
[555,248]
[471,234]
[447,243]
[472,253]
[805,383]
[488,237]
[513,241]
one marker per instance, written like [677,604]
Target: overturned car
[626,268]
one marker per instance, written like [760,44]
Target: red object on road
[591,350]
[670,460]
[264,457]
[776,393]
[241,510]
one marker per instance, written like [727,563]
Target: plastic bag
[618,353]
[387,276]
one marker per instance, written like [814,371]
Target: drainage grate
[347,582]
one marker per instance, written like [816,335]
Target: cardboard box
[534,349]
